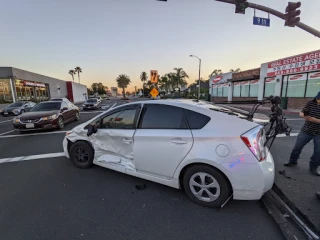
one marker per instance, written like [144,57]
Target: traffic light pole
[277,14]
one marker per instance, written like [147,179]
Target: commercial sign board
[314,75]
[298,77]
[254,82]
[296,64]
[33,84]
[270,80]
[222,78]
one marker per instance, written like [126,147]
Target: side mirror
[91,130]
[64,109]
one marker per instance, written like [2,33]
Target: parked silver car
[17,108]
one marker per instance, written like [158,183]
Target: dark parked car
[92,103]
[47,115]
[17,108]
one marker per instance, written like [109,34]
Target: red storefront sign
[296,64]
[297,77]
[254,82]
[269,80]
[217,79]
[33,84]
[314,75]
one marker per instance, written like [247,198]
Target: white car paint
[161,155]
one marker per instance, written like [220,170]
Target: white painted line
[6,132]
[6,121]
[295,119]
[30,134]
[291,135]
[113,105]
[32,157]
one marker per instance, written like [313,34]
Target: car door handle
[178,141]
[127,141]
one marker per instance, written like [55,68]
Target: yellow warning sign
[154,92]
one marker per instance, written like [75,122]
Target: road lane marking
[284,135]
[32,157]
[6,121]
[113,105]
[30,134]
[6,132]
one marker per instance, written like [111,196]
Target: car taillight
[255,140]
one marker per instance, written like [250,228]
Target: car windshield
[46,106]
[92,100]
[17,104]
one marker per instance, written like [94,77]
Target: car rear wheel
[81,154]
[206,186]
[60,123]
[77,116]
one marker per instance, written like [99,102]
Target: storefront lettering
[34,84]
[315,75]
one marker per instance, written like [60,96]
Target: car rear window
[196,120]
[158,116]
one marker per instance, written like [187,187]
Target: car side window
[120,120]
[158,116]
[64,105]
[196,120]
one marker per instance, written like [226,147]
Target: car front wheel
[206,186]
[60,123]
[77,116]
[81,154]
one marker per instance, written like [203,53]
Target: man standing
[309,131]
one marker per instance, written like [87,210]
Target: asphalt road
[49,198]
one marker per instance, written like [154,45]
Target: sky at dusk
[111,37]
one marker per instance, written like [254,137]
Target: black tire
[225,188]
[22,111]
[77,118]
[60,123]
[81,161]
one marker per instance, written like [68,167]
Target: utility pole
[291,6]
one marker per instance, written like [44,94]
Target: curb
[304,218]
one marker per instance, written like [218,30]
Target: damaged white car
[183,144]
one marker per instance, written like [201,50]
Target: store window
[296,85]
[245,87]
[236,89]
[254,88]
[5,90]
[31,91]
[269,86]
[225,90]
[313,85]
[214,90]
[220,90]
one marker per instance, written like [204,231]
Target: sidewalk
[296,183]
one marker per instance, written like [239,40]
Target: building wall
[79,92]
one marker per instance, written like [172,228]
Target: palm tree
[78,70]
[180,76]
[72,73]
[215,72]
[143,78]
[235,71]
[163,81]
[123,81]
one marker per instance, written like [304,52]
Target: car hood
[35,115]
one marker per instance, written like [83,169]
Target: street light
[199,74]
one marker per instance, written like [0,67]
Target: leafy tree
[215,72]
[78,70]
[72,73]
[235,71]
[123,81]
[180,76]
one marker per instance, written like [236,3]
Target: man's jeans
[302,139]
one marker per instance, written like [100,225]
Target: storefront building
[18,85]
[295,78]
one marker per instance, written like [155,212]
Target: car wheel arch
[77,141]
[184,169]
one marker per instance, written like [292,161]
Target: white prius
[195,146]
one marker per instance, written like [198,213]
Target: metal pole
[199,78]
[279,15]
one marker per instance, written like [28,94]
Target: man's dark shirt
[314,111]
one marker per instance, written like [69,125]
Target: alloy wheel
[60,122]
[204,187]
[81,155]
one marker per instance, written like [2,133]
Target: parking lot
[43,196]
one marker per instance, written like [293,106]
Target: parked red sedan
[47,115]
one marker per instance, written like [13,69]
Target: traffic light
[241,6]
[292,14]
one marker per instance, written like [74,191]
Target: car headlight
[83,105]
[15,110]
[1,111]
[49,117]
[16,120]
